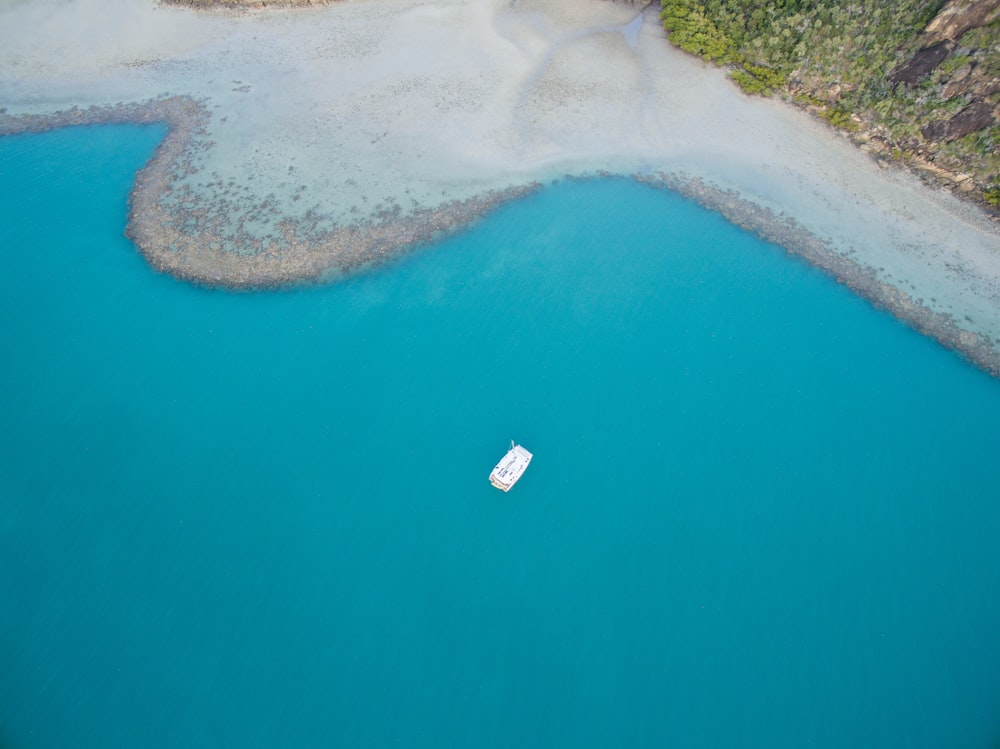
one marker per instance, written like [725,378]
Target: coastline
[303,254]
[861,279]
[309,257]
[890,239]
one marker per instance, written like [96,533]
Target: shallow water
[760,512]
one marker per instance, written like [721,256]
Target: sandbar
[307,143]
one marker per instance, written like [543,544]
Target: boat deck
[510,468]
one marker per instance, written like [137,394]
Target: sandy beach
[305,143]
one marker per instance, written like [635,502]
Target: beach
[307,143]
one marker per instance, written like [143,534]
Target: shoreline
[869,139]
[304,254]
[862,279]
[305,145]
[307,256]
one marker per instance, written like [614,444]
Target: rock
[922,63]
[959,82]
[971,119]
[957,17]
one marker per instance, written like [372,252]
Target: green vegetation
[759,79]
[818,40]
[840,118]
[838,56]
[691,30]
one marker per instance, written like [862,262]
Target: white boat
[510,468]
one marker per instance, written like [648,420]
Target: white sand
[369,103]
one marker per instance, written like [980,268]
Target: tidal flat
[307,143]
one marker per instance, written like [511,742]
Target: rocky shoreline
[911,83]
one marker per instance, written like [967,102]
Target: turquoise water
[760,513]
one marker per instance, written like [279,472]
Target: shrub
[691,30]
[840,118]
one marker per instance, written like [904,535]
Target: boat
[510,468]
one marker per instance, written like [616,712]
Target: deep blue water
[760,513]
